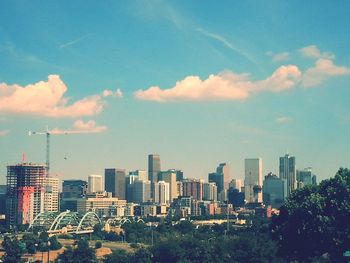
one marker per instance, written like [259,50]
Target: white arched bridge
[68,222]
[65,223]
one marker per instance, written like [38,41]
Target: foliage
[314,221]
[13,250]
[81,254]
[54,244]
[98,244]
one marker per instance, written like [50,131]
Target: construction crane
[48,133]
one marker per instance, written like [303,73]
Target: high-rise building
[210,192]
[236,184]
[142,191]
[253,180]
[274,190]
[115,182]
[218,180]
[25,192]
[288,172]
[161,192]
[169,177]
[141,174]
[193,188]
[304,177]
[51,194]
[224,169]
[129,186]
[72,190]
[153,167]
[3,190]
[94,183]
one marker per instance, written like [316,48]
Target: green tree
[67,256]
[142,255]
[31,242]
[315,221]
[83,253]
[98,245]
[118,256]
[54,244]
[13,250]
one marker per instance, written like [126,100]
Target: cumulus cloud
[322,70]
[46,98]
[283,120]
[313,51]
[4,132]
[223,86]
[79,127]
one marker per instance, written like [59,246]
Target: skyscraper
[210,192]
[161,192]
[288,172]
[94,183]
[193,188]
[236,184]
[224,169]
[305,176]
[51,194]
[274,190]
[153,167]
[253,180]
[72,190]
[25,192]
[169,177]
[115,182]
[142,191]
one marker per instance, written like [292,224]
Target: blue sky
[196,81]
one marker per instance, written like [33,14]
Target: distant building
[115,182]
[3,190]
[274,190]
[169,177]
[304,177]
[288,172]
[25,192]
[94,183]
[179,174]
[210,192]
[161,192]
[51,195]
[193,188]
[221,179]
[253,180]
[236,184]
[141,174]
[224,169]
[235,197]
[71,191]
[129,186]
[104,206]
[153,167]
[142,191]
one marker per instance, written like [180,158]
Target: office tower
[169,177]
[115,182]
[51,194]
[179,174]
[3,190]
[305,176]
[161,192]
[72,190]
[223,169]
[218,180]
[142,191]
[253,180]
[141,174]
[153,167]
[193,188]
[179,188]
[274,190]
[236,184]
[210,192]
[235,197]
[25,192]
[94,183]
[129,186]
[102,206]
[287,172]
[314,179]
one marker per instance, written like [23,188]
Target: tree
[314,221]
[31,242]
[118,256]
[83,253]
[67,256]
[54,244]
[142,255]
[13,250]
[98,245]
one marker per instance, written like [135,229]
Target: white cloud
[280,57]
[73,42]
[110,93]
[283,120]
[4,132]
[323,69]
[47,99]
[224,86]
[79,127]
[313,51]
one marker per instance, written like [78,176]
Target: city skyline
[197,84]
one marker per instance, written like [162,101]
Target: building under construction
[25,192]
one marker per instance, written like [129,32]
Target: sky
[198,82]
